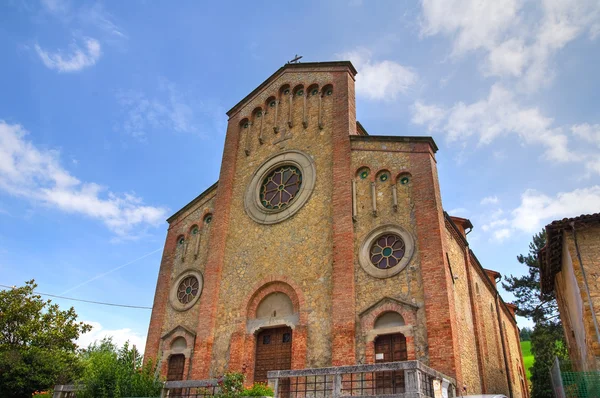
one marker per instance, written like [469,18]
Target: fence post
[275,384]
[337,385]
[412,380]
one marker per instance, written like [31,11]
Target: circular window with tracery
[186,290]
[387,251]
[280,187]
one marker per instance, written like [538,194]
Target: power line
[109,272]
[86,301]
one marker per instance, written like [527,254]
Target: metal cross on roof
[295,60]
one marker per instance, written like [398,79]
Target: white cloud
[119,336]
[77,58]
[490,200]
[382,80]
[55,6]
[170,110]
[498,115]
[588,133]
[514,45]
[538,209]
[457,211]
[473,24]
[35,174]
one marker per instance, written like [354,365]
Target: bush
[112,373]
[258,390]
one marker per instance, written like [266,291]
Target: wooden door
[273,352]
[390,348]
[176,365]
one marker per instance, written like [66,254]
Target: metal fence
[190,389]
[568,382]
[405,379]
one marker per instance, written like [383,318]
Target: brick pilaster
[214,265]
[437,284]
[343,306]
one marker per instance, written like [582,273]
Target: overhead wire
[85,301]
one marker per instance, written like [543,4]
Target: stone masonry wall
[491,344]
[164,317]
[391,158]
[464,316]
[588,240]
[299,248]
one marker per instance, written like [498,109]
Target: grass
[527,357]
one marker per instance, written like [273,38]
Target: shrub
[258,390]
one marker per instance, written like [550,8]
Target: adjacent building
[321,245]
[570,266]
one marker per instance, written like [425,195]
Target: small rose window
[188,289]
[280,187]
[387,251]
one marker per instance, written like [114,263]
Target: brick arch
[274,284]
[370,178]
[402,173]
[167,352]
[381,171]
[367,323]
[243,340]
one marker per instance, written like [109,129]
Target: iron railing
[190,389]
[405,379]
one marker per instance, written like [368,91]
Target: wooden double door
[390,348]
[273,352]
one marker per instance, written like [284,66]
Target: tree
[112,372]
[525,334]
[531,302]
[547,338]
[37,342]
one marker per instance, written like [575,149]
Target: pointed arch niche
[388,316]
[179,341]
[273,303]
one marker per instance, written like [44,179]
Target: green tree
[113,372]
[37,342]
[525,334]
[547,338]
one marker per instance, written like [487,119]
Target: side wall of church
[469,359]
[514,357]
[491,345]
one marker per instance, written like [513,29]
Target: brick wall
[588,240]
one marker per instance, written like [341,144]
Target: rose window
[188,289]
[387,251]
[280,187]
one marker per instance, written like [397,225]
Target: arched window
[275,305]
[389,319]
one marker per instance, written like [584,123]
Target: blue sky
[112,117]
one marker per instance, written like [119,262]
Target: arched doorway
[273,352]
[390,348]
[176,365]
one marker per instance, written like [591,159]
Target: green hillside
[527,357]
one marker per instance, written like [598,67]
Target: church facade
[321,245]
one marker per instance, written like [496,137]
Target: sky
[112,117]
